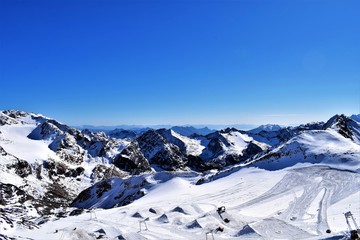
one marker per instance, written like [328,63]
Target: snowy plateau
[272,182]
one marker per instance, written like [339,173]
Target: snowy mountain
[337,143]
[188,130]
[355,117]
[266,128]
[49,163]
[122,133]
[49,172]
[230,146]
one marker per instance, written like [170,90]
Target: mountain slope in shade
[266,128]
[188,130]
[355,117]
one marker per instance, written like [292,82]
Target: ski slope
[300,202]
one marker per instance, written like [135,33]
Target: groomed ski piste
[300,202]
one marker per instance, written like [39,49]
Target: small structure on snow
[211,232]
[220,211]
[354,233]
[144,222]
[92,214]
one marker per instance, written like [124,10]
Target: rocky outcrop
[45,131]
[67,149]
[112,192]
[158,151]
[132,160]
[345,126]
[21,167]
[102,172]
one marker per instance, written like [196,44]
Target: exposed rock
[12,194]
[56,169]
[132,160]
[67,149]
[158,151]
[111,192]
[102,172]
[76,212]
[6,120]
[22,168]
[197,164]
[45,131]
[346,126]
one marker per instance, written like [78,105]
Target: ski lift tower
[354,234]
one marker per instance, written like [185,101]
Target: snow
[336,212]
[193,146]
[299,195]
[316,146]
[239,142]
[14,140]
[324,141]
[299,201]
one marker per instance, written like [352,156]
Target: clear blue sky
[180,62]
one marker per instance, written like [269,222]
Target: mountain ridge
[58,165]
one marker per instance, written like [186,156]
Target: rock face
[21,167]
[102,172]
[230,146]
[132,160]
[67,148]
[159,152]
[112,192]
[345,126]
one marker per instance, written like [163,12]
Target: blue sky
[180,62]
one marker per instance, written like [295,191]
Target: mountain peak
[266,128]
[344,125]
[355,117]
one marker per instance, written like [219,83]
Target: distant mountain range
[355,117]
[104,128]
[49,165]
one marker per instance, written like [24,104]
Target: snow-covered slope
[44,165]
[189,146]
[295,203]
[48,163]
[317,146]
[337,144]
[229,146]
[345,126]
